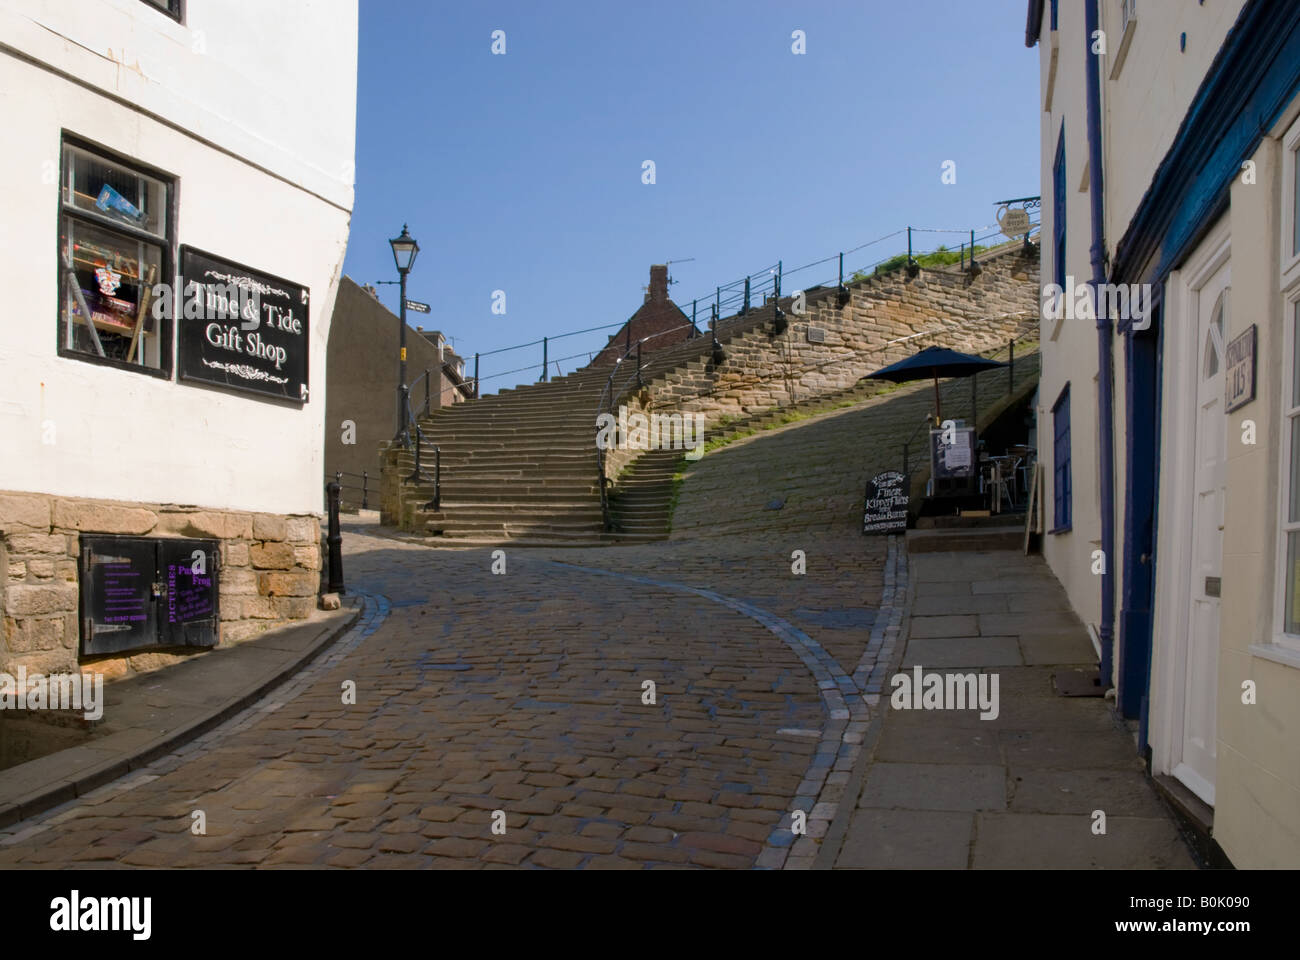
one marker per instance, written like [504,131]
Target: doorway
[1184,728]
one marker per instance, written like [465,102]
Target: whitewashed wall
[274,87]
[1142,107]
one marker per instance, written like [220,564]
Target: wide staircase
[521,466]
[517,466]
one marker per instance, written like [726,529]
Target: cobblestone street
[524,693]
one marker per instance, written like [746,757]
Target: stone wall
[882,319]
[270,573]
[361,370]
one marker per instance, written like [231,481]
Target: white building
[145,138]
[1181,548]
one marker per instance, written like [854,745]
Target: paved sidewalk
[148,715]
[946,789]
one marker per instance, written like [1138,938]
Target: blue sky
[522,172]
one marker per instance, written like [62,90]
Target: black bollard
[334,541]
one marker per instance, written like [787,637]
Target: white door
[1201,660]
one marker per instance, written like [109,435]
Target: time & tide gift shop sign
[241,328]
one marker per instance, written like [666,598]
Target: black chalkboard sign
[886,503]
[242,328]
[138,592]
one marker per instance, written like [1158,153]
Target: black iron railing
[351,492]
[739,297]
[417,473]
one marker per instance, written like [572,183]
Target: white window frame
[1285,647]
[1285,642]
[1288,252]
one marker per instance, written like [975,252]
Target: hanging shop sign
[1240,374]
[1014,221]
[242,328]
[138,592]
[886,503]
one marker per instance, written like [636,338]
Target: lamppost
[404,252]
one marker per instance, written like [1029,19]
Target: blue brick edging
[826,778]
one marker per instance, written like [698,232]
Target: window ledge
[162,373]
[1053,56]
[1122,54]
[1286,656]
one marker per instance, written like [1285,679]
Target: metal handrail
[608,391]
[417,473]
[364,486]
[427,377]
[744,294]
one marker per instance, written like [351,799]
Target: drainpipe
[1105,378]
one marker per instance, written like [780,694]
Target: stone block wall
[883,319]
[270,573]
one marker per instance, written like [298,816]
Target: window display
[113,247]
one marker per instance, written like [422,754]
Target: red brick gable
[658,318]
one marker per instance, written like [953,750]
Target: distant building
[362,368]
[658,319]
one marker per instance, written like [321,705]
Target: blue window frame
[1062,488]
[1058,212]
[1053,14]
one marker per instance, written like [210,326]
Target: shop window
[1288,550]
[1061,489]
[1291,475]
[114,245]
[171,7]
[1213,349]
[1290,212]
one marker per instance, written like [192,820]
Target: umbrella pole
[938,410]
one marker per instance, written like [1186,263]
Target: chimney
[658,291]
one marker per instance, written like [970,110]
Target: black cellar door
[117,594]
[138,593]
[187,606]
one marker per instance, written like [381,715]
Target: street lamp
[405,250]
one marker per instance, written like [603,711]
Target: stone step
[553,531]
[973,539]
[515,514]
